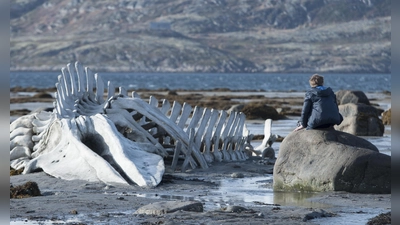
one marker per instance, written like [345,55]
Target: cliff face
[202,36]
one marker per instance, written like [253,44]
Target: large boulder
[330,160]
[360,120]
[260,110]
[350,96]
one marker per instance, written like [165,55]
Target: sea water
[271,82]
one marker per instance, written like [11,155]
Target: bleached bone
[121,139]
[156,115]
[90,148]
[207,137]
[268,140]
[79,121]
[216,137]
[225,138]
[204,124]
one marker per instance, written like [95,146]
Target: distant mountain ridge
[202,36]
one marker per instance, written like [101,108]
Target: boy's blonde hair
[316,80]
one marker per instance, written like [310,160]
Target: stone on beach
[260,110]
[349,96]
[360,120]
[257,110]
[163,207]
[359,116]
[329,160]
[29,189]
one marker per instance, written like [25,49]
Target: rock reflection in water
[258,190]
[297,199]
[246,192]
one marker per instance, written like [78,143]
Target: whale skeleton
[117,138]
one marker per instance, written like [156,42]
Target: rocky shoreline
[81,202]
[285,103]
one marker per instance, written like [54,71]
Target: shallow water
[284,127]
[246,192]
[258,191]
[350,216]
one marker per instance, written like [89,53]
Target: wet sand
[81,202]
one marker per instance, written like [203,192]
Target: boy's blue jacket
[320,108]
